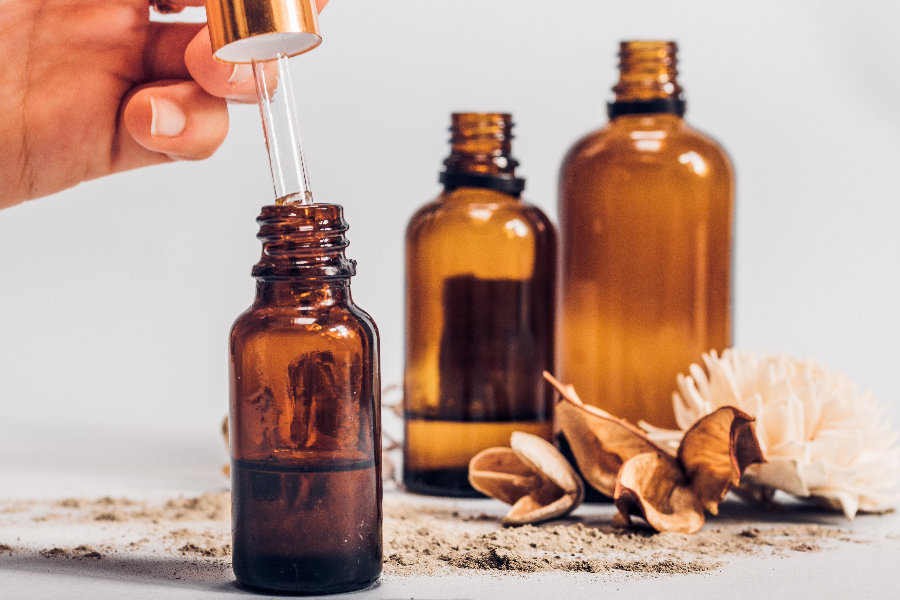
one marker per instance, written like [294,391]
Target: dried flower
[821,437]
[531,475]
[670,492]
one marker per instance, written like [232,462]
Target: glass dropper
[282,130]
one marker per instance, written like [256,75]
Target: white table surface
[841,570]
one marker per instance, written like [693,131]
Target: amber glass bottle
[305,418]
[480,274]
[645,216]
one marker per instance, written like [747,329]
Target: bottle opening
[648,82]
[481,153]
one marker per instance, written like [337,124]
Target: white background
[116,297]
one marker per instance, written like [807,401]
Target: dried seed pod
[532,476]
[600,442]
[715,451]
[652,486]
[670,492]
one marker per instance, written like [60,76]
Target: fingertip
[224,80]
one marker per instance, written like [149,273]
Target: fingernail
[241,73]
[167,119]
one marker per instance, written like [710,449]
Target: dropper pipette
[265,33]
[282,131]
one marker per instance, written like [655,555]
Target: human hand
[92,87]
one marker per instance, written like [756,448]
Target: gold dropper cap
[246,30]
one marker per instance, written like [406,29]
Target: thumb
[169,120]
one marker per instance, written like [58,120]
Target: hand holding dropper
[94,88]
[268,33]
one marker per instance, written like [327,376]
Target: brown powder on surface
[199,543]
[16,507]
[427,540]
[425,537]
[81,551]
[211,552]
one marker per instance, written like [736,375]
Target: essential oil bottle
[645,217]
[480,276]
[305,414]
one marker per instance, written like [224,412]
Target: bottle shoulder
[640,138]
[477,210]
[343,319]
[657,145]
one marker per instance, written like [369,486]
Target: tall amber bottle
[305,418]
[480,274]
[645,216]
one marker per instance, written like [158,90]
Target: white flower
[822,438]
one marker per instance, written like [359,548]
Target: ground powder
[422,537]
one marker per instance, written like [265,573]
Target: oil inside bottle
[288,534]
[490,367]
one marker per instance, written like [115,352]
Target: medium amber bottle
[645,216]
[305,418]
[480,276]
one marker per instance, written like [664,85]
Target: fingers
[174,119]
[164,57]
[167,121]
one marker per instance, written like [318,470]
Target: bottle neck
[304,293]
[481,154]
[647,80]
[304,245]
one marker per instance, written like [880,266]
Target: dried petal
[652,486]
[532,476]
[600,442]
[714,453]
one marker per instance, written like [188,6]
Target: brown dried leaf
[714,453]
[652,486]
[600,442]
[532,476]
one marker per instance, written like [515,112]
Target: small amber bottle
[480,276]
[305,418]
[645,216]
